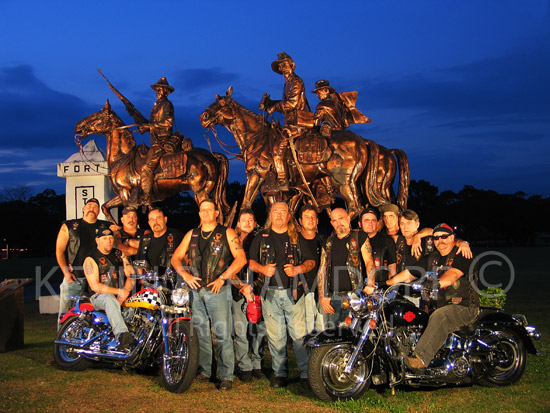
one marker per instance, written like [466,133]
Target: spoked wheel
[326,373]
[507,359]
[180,365]
[75,331]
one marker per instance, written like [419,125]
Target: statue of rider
[331,113]
[160,126]
[293,105]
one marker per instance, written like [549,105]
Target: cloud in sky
[515,83]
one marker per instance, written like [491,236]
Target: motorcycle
[158,317]
[384,327]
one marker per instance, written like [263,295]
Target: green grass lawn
[28,383]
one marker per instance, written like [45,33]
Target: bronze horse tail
[404,177]
[370,185]
[219,194]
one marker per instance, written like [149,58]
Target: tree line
[484,217]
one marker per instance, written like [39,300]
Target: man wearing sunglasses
[459,302]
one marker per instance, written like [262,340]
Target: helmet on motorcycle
[254,310]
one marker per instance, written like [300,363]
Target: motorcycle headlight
[356,301]
[180,296]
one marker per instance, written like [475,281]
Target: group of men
[300,277]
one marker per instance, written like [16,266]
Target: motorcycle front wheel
[180,364]
[507,360]
[327,378]
[74,330]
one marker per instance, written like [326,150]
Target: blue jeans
[315,319]
[66,289]
[240,323]
[215,308]
[111,306]
[257,334]
[281,314]
[339,316]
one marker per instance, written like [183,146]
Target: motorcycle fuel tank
[403,313]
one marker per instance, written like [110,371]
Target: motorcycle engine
[404,339]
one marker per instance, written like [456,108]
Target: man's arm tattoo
[89,269]
[321,275]
[238,244]
[308,265]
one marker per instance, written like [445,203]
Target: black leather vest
[219,255]
[353,262]
[166,255]
[111,267]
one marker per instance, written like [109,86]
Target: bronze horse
[196,169]
[350,159]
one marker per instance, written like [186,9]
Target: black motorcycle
[158,317]
[384,327]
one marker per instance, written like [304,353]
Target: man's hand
[325,305]
[464,249]
[193,282]
[122,295]
[217,284]
[291,271]
[416,247]
[268,270]
[68,274]
[246,291]
[368,289]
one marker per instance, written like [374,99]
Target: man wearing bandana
[347,252]
[104,268]
[458,303]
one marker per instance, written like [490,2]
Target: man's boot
[282,180]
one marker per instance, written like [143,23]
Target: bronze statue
[293,106]
[197,169]
[345,158]
[160,126]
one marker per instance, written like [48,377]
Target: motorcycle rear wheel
[510,350]
[179,367]
[326,373]
[73,330]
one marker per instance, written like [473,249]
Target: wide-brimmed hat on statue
[281,57]
[162,83]
[321,84]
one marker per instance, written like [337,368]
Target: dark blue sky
[462,87]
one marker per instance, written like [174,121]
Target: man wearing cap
[75,240]
[279,256]
[157,247]
[383,246]
[294,101]
[216,255]
[160,128]
[128,237]
[104,268]
[346,257]
[459,301]
[330,113]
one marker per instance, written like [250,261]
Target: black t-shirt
[339,258]
[383,254]
[158,245]
[86,233]
[315,247]
[279,254]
